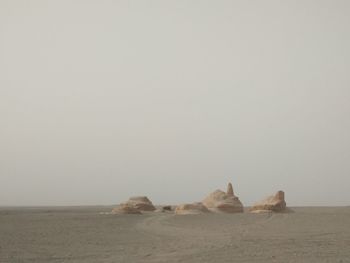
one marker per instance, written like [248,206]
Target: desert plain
[92,234]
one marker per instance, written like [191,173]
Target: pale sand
[84,235]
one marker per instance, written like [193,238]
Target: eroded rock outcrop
[141,203]
[167,208]
[191,209]
[125,209]
[273,203]
[135,205]
[219,201]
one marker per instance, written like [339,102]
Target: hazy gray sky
[102,100]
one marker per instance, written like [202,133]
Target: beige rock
[141,203]
[220,201]
[275,203]
[135,205]
[125,209]
[191,209]
[229,190]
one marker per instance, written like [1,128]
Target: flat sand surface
[82,234]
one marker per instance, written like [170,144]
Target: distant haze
[102,100]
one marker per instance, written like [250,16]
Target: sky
[103,100]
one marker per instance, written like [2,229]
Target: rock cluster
[217,201]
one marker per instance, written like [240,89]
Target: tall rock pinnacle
[229,190]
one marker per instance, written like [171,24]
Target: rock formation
[191,209]
[167,208]
[125,209]
[229,190]
[135,205]
[274,203]
[220,201]
[141,203]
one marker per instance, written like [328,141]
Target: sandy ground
[82,234]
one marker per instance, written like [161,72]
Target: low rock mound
[219,201]
[135,205]
[141,203]
[125,209]
[191,209]
[167,208]
[273,203]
